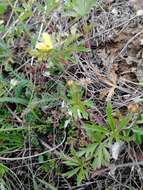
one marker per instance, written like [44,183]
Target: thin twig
[36,155]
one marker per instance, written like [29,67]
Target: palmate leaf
[101,157]
[69,161]
[98,159]
[83,7]
[95,132]
[106,156]
[80,172]
[72,161]
[78,166]
[89,150]
[78,8]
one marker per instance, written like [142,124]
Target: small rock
[116,148]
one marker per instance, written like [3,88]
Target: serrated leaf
[89,150]
[106,155]
[98,158]
[101,157]
[83,7]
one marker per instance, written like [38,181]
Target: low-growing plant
[78,166]
[76,104]
[8,179]
[78,8]
[97,153]
[46,118]
[58,51]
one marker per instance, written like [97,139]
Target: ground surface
[71,112]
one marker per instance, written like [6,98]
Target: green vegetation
[51,127]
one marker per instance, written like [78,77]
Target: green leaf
[106,156]
[71,39]
[83,7]
[4,50]
[97,128]
[101,157]
[14,100]
[25,15]
[85,115]
[89,103]
[70,163]
[124,121]
[3,170]
[138,134]
[138,130]
[71,172]
[82,152]
[110,118]
[2,8]
[138,138]
[89,150]
[81,176]
[78,8]
[98,158]
[75,156]
[51,5]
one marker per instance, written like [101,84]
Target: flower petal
[43,47]
[47,40]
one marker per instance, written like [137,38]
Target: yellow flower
[46,44]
